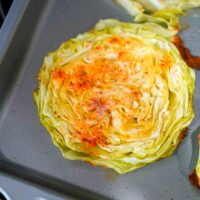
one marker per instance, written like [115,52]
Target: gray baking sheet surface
[24,141]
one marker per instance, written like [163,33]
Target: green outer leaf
[132,7]
[165,13]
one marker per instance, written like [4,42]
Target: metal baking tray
[27,153]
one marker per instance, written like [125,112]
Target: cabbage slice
[118,96]
[134,7]
[165,12]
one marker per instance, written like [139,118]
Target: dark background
[2,197]
[4,8]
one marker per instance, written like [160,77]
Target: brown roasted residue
[194,179]
[183,134]
[192,61]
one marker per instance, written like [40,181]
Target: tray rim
[7,33]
